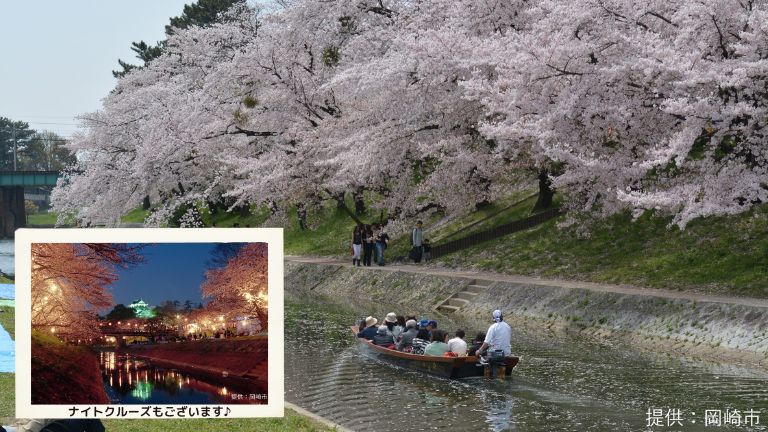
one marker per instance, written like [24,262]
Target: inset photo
[162,323]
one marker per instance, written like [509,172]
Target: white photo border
[25,237]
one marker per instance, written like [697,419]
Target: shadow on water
[562,383]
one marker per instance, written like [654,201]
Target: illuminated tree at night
[70,283]
[240,288]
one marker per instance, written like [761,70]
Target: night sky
[171,271]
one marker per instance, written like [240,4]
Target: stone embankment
[663,321]
[241,357]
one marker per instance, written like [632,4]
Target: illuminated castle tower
[141,309]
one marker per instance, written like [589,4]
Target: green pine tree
[200,13]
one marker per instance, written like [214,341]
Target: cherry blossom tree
[240,288]
[436,105]
[70,283]
[650,105]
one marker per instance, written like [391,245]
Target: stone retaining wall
[716,330]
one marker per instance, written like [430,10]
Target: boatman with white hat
[498,337]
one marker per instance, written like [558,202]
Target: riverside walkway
[528,280]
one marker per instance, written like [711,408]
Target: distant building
[141,309]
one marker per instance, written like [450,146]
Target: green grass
[7,315]
[43,218]
[5,280]
[8,380]
[724,255]
[136,215]
[7,397]
[291,422]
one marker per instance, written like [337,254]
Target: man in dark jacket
[369,332]
[410,332]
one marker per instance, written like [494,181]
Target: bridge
[120,334]
[12,184]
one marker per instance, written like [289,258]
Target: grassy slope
[726,255]
[5,280]
[63,374]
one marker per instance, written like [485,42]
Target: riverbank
[244,357]
[702,326]
[64,374]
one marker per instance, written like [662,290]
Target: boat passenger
[458,345]
[420,342]
[431,325]
[391,322]
[369,332]
[383,337]
[406,339]
[499,336]
[437,347]
[399,328]
[476,344]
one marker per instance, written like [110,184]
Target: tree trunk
[357,196]
[546,193]
[145,205]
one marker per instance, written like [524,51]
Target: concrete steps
[463,297]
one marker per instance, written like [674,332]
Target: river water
[132,380]
[6,257]
[563,383]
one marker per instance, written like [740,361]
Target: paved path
[497,277]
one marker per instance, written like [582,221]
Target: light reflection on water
[132,380]
[562,383]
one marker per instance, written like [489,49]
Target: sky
[171,271]
[58,56]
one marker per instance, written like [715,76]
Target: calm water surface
[563,383]
[132,380]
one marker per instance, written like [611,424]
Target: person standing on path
[357,244]
[498,337]
[417,239]
[381,245]
[368,244]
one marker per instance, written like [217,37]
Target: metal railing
[494,233]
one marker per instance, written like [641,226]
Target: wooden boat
[448,367]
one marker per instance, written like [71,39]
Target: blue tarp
[7,347]
[7,352]
[7,291]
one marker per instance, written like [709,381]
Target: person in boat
[457,345]
[401,326]
[420,342]
[406,339]
[391,322]
[370,330]
[476,344]
[383,337]
[431,325]
[438,347]
[498,337]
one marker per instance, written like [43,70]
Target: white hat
[497,315]
[391,318]
[370,321]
